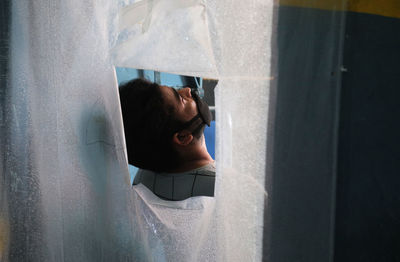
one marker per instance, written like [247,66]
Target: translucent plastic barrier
[156,34]
[65,193]
[65,190]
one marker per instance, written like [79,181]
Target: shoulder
[208,170]
[179,186]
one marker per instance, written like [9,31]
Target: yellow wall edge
[389,8]
[4,238]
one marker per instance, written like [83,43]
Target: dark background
[333,177]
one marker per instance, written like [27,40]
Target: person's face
[182,101]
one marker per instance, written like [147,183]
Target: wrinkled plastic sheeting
[240,34]
[170,35]
[65,172]
[173,230]
[244,31]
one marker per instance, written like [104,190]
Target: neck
[196,157]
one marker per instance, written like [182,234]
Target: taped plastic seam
[243,52]
[142,11]
[165,35]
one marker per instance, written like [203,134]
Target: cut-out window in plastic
[205,89]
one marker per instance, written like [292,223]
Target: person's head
[159,123]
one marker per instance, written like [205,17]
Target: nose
[185,92]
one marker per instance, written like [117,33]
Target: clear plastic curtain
[234,37]
[64,181]
[65,188]
[243,54]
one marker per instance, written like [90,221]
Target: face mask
[203,117]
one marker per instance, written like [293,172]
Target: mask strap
[195,122]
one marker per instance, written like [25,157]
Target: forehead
[170,95]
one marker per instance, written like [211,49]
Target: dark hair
[149,125]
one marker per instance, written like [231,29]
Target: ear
[182,138]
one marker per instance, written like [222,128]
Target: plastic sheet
[242,50]
[65,176]
[173,230]
[162,33]
[67,194]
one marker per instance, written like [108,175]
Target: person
[164,135]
